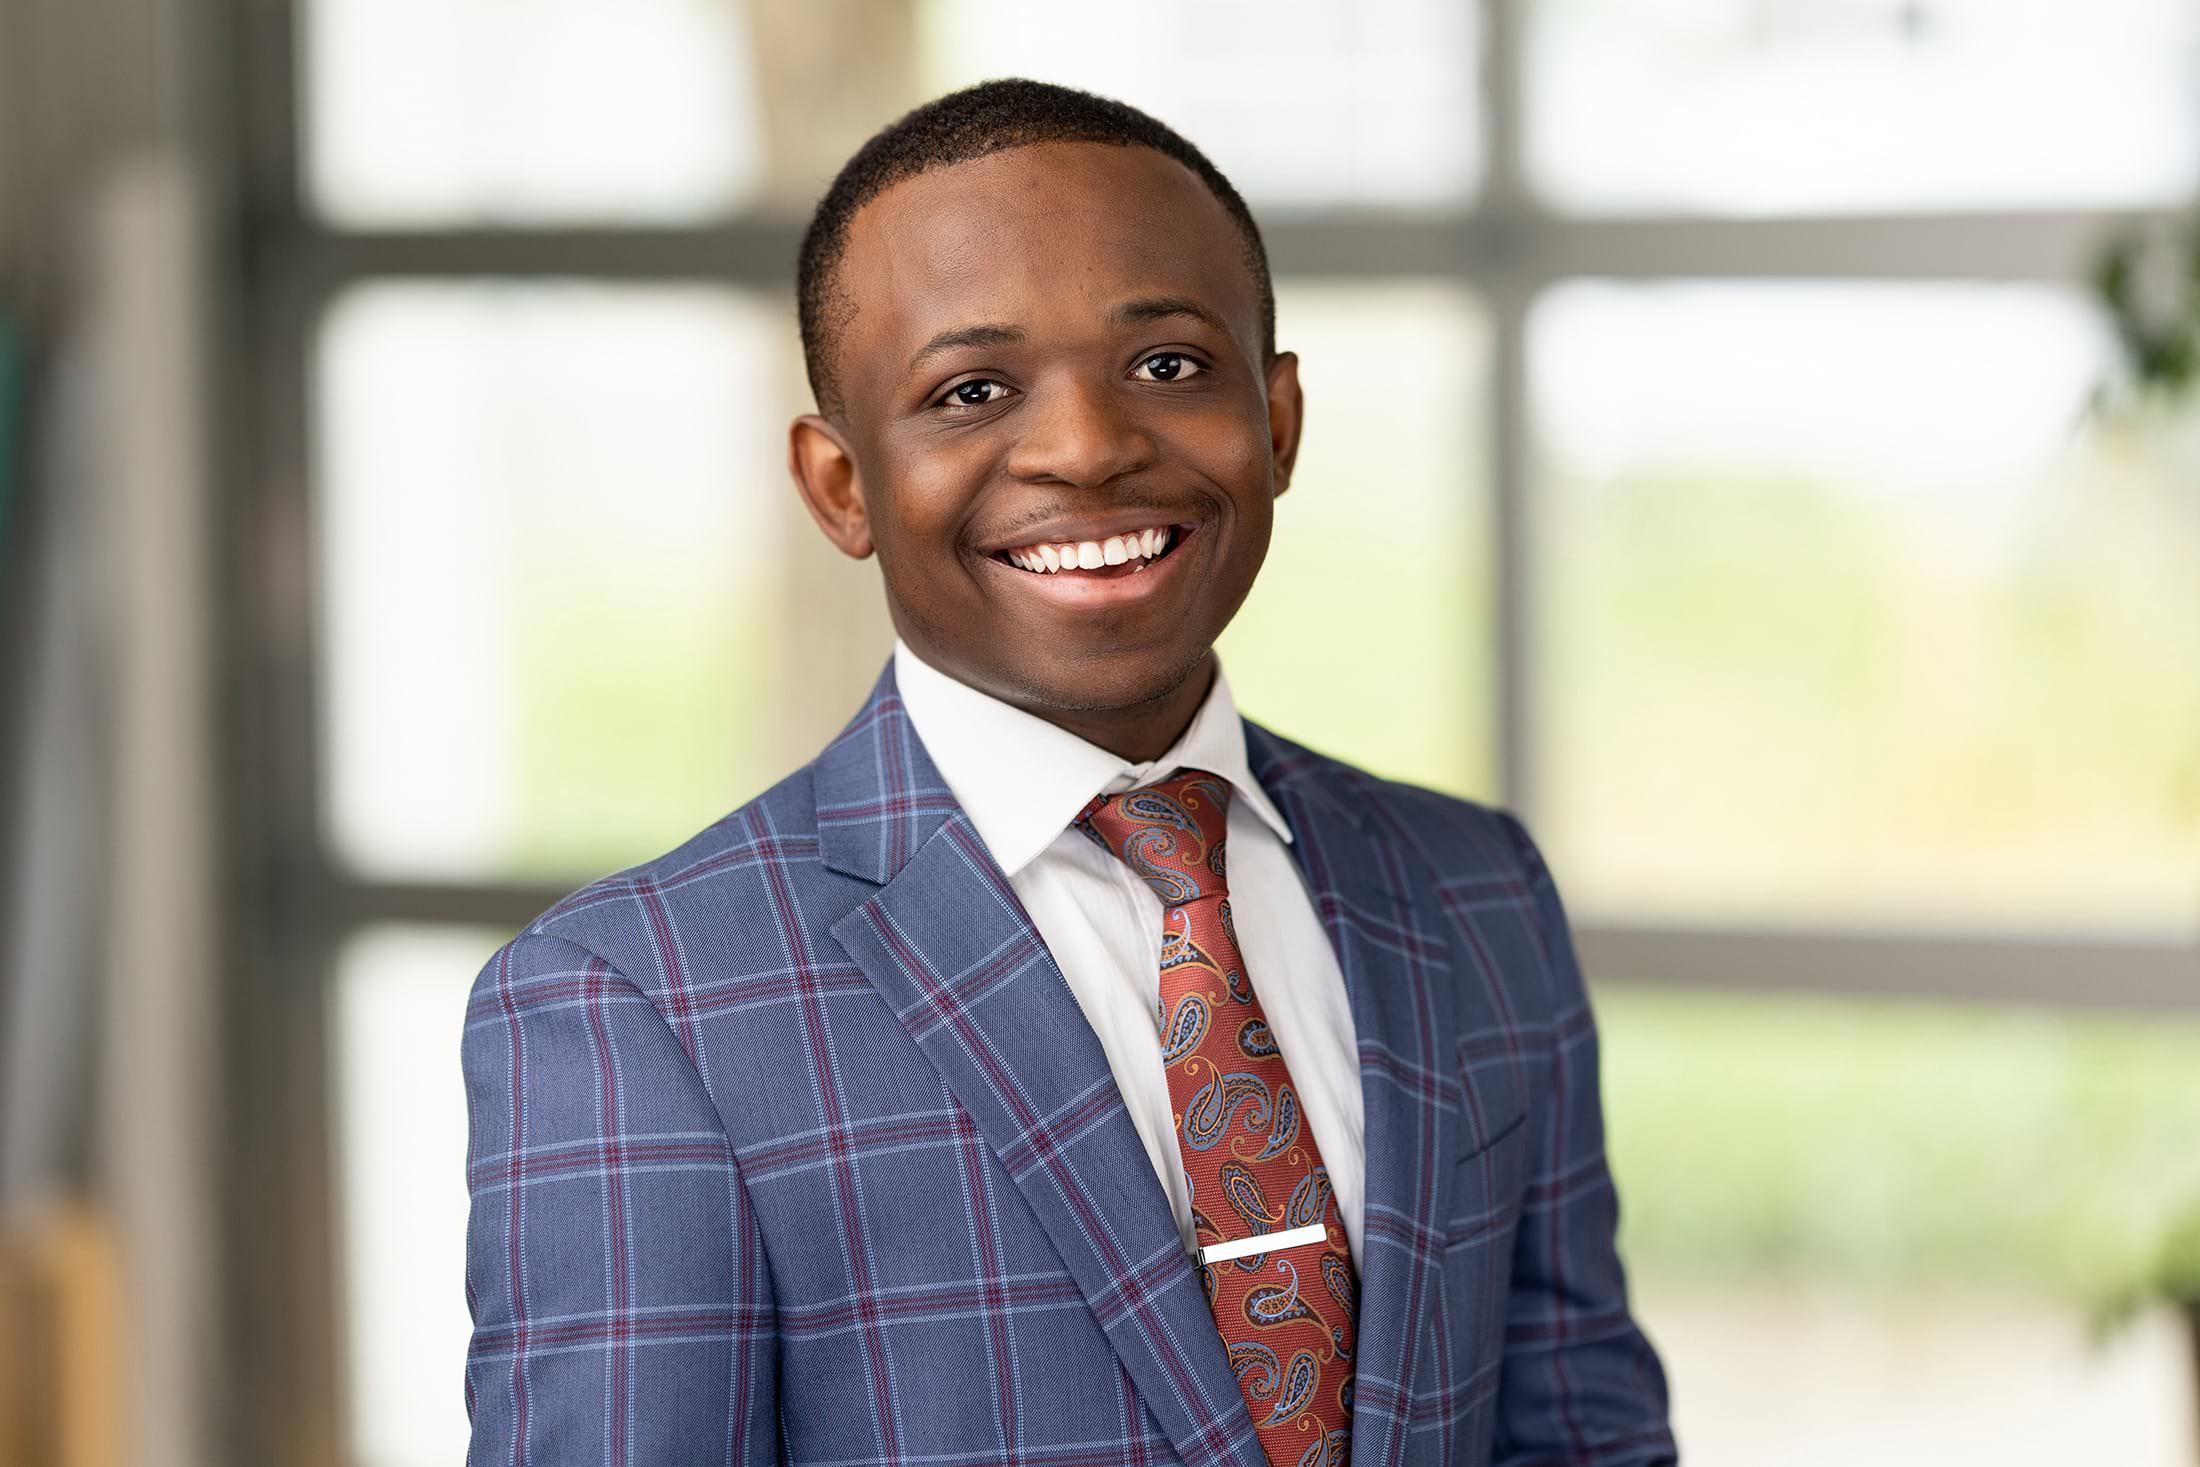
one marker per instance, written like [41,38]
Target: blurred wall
[82,83]
[113,867]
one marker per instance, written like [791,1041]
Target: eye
[977,392]
[1169,366]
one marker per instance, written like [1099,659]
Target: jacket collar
[879,795]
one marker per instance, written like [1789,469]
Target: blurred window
[454,112]
[549,518]
[1847,612]
[1871,1230]
[1379,572]
[400,1133]
[1299,102]
[1760,1134]
[1770,106]
[448,112]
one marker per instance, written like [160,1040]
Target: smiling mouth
[1110,558]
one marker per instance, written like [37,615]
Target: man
[958,1100]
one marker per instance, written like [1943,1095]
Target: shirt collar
[1022,780]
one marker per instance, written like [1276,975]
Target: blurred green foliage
[2170,1276]
[1886,1142]
[2148,280]
[1774,698]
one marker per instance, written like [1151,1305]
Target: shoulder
[1481,880]
[1455,837]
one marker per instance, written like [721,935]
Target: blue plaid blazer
[793,1144]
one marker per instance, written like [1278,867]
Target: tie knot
[1171,833]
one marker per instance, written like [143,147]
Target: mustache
[1031,519]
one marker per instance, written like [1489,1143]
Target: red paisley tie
[1287,1313]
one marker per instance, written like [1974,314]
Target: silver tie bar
[1262,1243]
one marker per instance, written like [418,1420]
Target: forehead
[1037,237]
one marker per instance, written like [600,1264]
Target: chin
[1106,681]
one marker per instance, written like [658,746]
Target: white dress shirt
[1022,781]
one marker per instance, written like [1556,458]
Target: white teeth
[1140,545]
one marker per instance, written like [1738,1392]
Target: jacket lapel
[1374,902]
[953,953]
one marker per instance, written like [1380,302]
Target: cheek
[917,520]
[1230,445]
[930,486]
[1240,461]
[936,488]
[1233,454]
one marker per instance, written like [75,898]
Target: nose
[1076,432]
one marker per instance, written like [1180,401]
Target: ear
[1286,414]
[824,470]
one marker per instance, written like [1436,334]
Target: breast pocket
[1488,1185]
[1487,1182]
[1496,1089]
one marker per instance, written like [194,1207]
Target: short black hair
[991,117]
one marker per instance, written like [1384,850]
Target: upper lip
[1071,531]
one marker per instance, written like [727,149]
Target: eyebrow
[960,336]
[1161,308]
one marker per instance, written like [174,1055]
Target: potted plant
[2148,278]
[2172,1277]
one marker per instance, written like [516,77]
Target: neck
[1140,731]
[1136,732]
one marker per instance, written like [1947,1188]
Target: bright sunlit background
[1701,460]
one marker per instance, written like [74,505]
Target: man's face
[1055,354]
